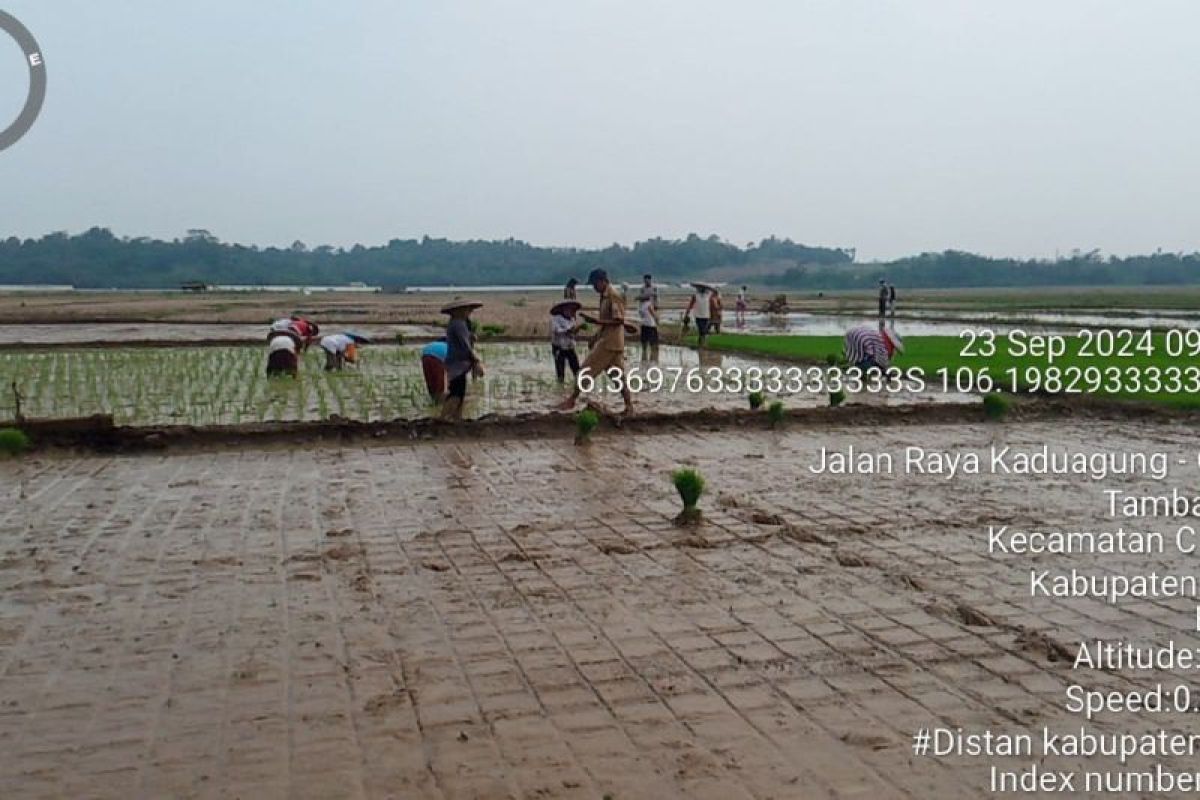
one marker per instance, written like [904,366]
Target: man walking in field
[607,356]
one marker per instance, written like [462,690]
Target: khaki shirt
[612,307]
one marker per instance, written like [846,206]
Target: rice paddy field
[215,385]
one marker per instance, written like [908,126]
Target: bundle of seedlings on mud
[13,442]
[400,338]
[756,400]
[690,485]
[585,422]
[836,398]
[775,413]
[996,405]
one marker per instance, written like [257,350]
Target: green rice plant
[996,406]
[837,398]
[13,442]
[585,422]
[490,330]
[690,485]
[756,400]
[832,359]
[775,413]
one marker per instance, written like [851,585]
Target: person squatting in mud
[608,344]
[461,359]
[563,327]
[871,348]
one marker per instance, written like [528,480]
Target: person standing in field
[699,307]
[740,308]
[461,359]
[608,345]
[892,303]
[281,354]
[716,311]
[648,317]
[433,368]
[569,292]
[883,300]
[648,291]
[871,348]
[563,327]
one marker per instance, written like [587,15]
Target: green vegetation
[585,422]
[756,400]
[837,398]
[488,331]
[228,385]
[690,485]
[98,258]
[13,442]
[775,414]
[996,405]
[930,354]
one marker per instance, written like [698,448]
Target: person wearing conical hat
[563,327]
[461,359]
[607,356]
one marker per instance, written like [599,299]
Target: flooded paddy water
[216,385]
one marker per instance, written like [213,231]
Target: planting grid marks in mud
[424,621]
[228,385]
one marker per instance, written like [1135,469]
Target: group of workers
[290,336]
[447,362]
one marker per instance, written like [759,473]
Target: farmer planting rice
[871,348]
[607,355]
[461,359]
[433,367]
[281,354]
[563,327]
[341,348]
[305,330]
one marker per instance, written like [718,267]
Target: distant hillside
[99,259]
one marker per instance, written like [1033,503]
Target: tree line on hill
[97,258]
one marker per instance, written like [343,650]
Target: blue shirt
[438,350]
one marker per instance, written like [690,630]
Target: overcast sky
[1019,127]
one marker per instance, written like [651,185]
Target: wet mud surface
[520,618]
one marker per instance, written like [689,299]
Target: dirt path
[472,619]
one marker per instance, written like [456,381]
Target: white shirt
[702,309]
[645,313]
[561,335]
[336,343]
[282,343]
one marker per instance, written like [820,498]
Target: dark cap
[596,275]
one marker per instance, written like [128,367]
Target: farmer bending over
[871,348]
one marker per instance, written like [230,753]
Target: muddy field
[519,618]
